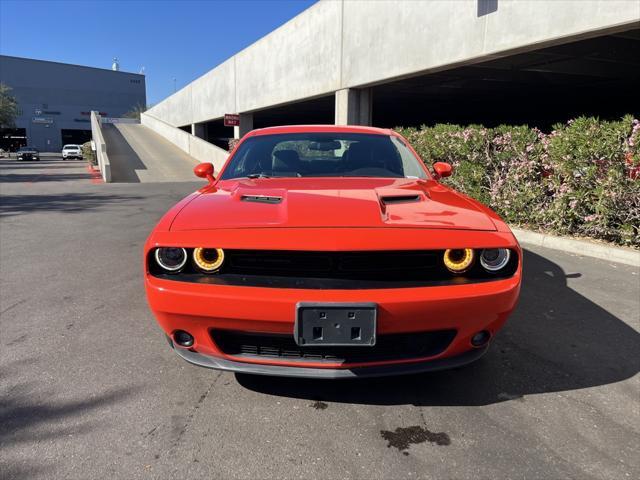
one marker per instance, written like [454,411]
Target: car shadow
[556,340]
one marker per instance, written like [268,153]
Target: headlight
[458,260]
[171,259]
[494,259]
[208,259]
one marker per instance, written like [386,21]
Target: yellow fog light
[458,260]
[208,259]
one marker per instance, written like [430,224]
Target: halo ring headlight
[494,259]
[208,260]
[171,259]
[458,260]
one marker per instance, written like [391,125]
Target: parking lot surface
[90,389]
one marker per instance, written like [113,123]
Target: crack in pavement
[187,423]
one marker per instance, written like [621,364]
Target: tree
[135,111]
[8,107]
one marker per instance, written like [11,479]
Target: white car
[71,151]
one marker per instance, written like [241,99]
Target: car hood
[330,202]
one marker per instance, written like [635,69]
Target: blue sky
[171,39]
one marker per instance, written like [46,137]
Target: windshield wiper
[258,175]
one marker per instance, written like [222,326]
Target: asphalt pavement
[90,389]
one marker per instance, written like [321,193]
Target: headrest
[286,160]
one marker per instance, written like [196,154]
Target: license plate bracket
[335,324]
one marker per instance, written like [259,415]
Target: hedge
[581,179]
[88,154]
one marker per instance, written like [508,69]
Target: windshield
[70,147]
[332,154]
[27,149]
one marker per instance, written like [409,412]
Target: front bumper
[199,309]
[208,361]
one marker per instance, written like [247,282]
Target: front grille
[378,265]
[397,346]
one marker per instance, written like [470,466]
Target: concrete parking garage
[395,64]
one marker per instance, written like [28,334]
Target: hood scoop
[261,199]
[394,199]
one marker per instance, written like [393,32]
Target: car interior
[371,156]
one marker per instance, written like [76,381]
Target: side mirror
[205,170]
[442,170]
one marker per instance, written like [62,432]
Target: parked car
[330,252]
[28,153]
[72,151]
[2,153]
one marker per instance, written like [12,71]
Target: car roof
[320,129]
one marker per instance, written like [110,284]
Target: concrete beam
[353,106]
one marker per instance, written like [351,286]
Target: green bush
[581,179]
[88,154]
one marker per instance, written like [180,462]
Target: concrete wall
[199,149]
[301,59]
[104,165]
[337,44]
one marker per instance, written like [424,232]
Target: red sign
[231,120]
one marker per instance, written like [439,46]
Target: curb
[586,248]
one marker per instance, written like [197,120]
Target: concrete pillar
[198,130]
[246,125]
[353,106]
[365,110]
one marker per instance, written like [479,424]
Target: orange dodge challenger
[330,252]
